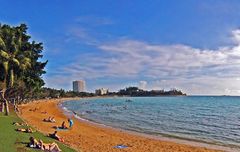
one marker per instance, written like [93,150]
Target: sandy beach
[87,137]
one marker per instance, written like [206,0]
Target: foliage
[20,68]
[129,91]
[54,93]
[134,91]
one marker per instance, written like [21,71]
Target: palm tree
[13,57]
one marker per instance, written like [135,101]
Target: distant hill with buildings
[129,91]
[136,92]
[79,88]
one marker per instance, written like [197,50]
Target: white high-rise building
[101,91]
[79,86]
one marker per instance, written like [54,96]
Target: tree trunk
[5,102]
[2,104]
[6,107]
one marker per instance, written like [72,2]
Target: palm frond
[2,44]
[15,61]
[4,54]
[25,63]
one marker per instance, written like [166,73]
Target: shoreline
[160,137]
[91,136]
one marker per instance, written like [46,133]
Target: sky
[190,45]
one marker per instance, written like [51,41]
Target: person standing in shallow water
[70,121]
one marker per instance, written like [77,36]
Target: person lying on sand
[33,110]
[44,112]
[55,136]
[53,147]
[28,130]
[49,119]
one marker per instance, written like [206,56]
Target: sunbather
[53,147]
[28,130]
[55,136]
[49,119]
[44,112]
[33,110]
[19,124]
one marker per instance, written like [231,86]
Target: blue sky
[190,45]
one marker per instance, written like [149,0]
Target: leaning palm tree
[13,58]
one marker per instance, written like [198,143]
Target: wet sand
[89,137]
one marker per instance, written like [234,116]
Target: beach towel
[61,129]
[120,146]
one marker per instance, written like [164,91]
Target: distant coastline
[136,92]
[49,93]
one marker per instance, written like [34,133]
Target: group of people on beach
[64,126]
[51,147]
[26,130]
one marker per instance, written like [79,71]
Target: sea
[206,119]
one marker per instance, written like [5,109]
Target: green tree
[19,65]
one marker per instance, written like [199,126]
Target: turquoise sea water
[210,119]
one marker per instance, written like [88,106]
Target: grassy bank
[13,141]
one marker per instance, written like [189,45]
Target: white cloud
[206,85]
[192,69]
[142,85]
[80,35]
[236,36]
[81,31]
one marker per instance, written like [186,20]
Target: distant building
[79,86]
[101,91]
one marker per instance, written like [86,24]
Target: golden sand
[87,137]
